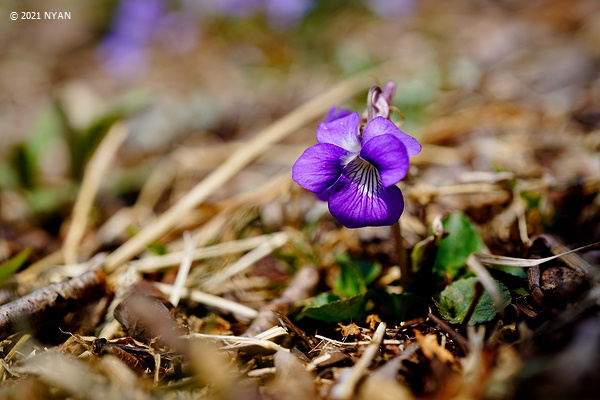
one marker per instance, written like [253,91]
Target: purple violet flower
[357,173]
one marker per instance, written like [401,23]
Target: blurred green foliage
[24,172]
[11,266]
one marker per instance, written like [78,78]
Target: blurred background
[193,74]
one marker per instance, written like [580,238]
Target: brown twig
[453,333]
[473,305]
[52,303]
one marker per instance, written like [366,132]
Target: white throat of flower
[364,175]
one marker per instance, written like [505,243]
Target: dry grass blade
[359,343]
[262,371]
[235,341]
[247,260]
[526,262]
[210,300]
[154,263]
[272,333]
[94,171]
[184,268]
[238,160]
[16,349]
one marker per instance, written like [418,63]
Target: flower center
[364,175]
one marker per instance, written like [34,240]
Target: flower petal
[343,132]
[359,198]
[382,126]
[324,195]
[389,156]
[320,166]
[336,113]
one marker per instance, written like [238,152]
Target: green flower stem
[402,257]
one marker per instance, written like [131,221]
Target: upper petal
[342,132]
[383,126]
[359,199]
[389,156]
[320,166]
[336,113]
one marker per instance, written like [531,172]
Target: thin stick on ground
[54,301]
[95,170]
[238,160]
[453,334]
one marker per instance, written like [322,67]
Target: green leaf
[455,299]
[349,282]
[24,164]
[46,128]
[25,157]
[518,272]
[521,291]
[11,266]
[87,142]
[453,250]
[330,308]
[354,275]
[324,298]
[402,306]
[370,270]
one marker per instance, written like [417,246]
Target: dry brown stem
[50,304]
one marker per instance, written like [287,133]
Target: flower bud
[378,100]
